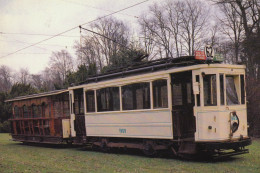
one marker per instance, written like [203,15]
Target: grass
[15,157]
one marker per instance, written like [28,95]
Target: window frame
[217,86]
[107,91]
[120,85]
[152,94]
[237,89]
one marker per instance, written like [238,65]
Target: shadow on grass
[42,145]
[163,155]
[132,152]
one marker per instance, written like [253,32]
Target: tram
[184,105]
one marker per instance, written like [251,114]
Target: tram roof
[147,67]
[55,92]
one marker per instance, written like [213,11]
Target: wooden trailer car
[41,117]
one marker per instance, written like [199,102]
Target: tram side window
[231,91]
[160,93]
[16,112]
[136,96]
[108,99]
[221,78]
[90,98]
[210,90]
[242,85]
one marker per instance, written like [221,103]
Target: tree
[194,16]
[20,89]
[37,82]
[60,65]
[97,48]
[249,14]
[5,108]
[154,26]
[231,26]
[5,78]
[81,74]
[176,27]
[23,76]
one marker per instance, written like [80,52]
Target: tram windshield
[210,90]
[231,91]
[232,94]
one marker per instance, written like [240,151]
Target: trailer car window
[136,96]
[35,111]
[57,109]
[16,112]
[90,100]
[25,112]
[160,93]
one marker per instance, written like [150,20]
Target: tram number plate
[122,130]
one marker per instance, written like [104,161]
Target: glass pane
[136,96]
[177,94]
[108,99]
[57,109]
[221,78]
[90,97]
[160,94]
[189,93]
[25,112]
[231,92]
[242,84]
[78,102]
[210,90]
[16,112]
[198,95]
[35,111]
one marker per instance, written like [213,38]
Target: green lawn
[15,157]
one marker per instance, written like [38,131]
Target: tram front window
[210,90]
[231,90]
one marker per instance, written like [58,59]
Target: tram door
[182,105]
[78,110]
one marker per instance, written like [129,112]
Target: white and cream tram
[181,104]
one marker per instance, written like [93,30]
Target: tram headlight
[234,122]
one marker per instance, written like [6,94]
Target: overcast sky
[22,20]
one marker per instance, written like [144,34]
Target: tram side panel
[145,124]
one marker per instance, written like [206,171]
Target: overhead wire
[81,4]
[74,28]
[32,34]
[22,42]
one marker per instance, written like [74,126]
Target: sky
[25,22]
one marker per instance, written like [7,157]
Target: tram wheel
[148,149]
